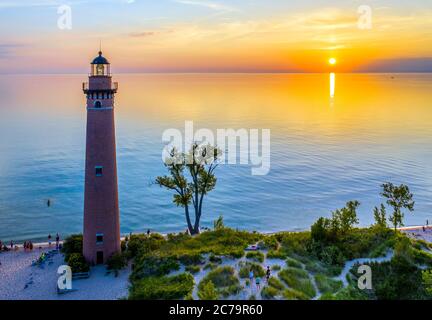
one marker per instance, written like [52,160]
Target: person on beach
[11,244]
[57,241]
[1,245]
[268,273]
[251,277]
[30,246]
[148,232]
[258,282]
[49,239]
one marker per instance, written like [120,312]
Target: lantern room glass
[100,70]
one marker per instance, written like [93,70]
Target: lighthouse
[101,236]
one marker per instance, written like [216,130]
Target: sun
[332,61]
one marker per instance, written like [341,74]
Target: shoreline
[45,244]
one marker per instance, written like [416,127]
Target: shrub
[210,266]
[276,267]
[193,269]
[72,244]
[208,292]
[77,263]
[162,288]
[190,258]
[117,262]
[269,243]
[276,254]
[255,255]
[327,285]
[224,280]
[293,263]
[298,280]
[269,292]
[276,283]
[247,266]
[154,266]
[292,294]
[215,259]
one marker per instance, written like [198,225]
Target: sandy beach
[21,281]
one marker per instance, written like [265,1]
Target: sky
[216,35]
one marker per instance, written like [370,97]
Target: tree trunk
[188,220]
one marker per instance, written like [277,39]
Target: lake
[331,142]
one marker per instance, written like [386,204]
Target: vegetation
[224,280]
[208,292]
[72,250]
[398,197]
[318,255]
[247,267]
[117,262]
[193,269]
[298,280]
[200,163]
[255,255]
[327,285]
[162,288]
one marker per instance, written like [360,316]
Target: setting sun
[332,61]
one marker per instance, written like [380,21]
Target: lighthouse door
[99,257]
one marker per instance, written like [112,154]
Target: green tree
[398,197]
[208,292]
[344,219]
[380,216]
[199,164]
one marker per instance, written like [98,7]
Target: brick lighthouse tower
[101,207]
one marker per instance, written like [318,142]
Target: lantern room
[100,66]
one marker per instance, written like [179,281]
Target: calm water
[325,151]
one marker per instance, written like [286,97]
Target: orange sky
[213,36]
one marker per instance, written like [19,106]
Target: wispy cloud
[207,4]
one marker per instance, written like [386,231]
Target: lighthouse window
[98,104]
[99,238]
[98,171]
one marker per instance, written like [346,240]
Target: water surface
[324,150]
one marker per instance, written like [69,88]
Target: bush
[215,259]
[162,288]
[276,283]
[208,292]
[224,280]
[293,263]
[77,263]
[154,266]
[277,254]
[292,294]
[247,266]
[269,243]
[117,262]
[269,292]
[276,267]
[327,285]
[193,269]
[298,280]
[255,255]
[72,244]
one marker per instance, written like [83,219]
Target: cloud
[206,4]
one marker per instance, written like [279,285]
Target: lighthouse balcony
[111,88]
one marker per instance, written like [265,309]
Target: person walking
[268,273]
[57,241]
[49,239]
[258,283]
[251,277]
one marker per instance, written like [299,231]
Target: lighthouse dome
[100,59]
